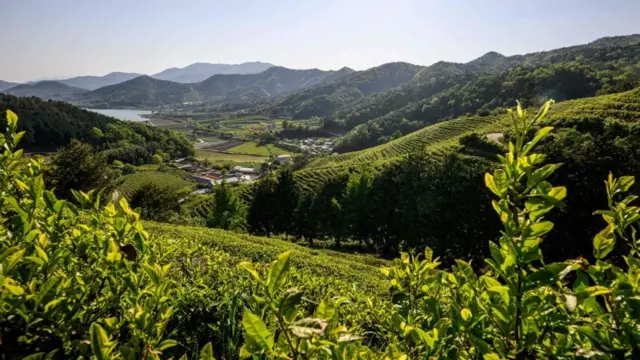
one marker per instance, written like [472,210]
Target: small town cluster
[208,177]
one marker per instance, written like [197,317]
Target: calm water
[123,114]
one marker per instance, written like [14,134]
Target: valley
[257,211]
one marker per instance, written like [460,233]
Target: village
[314,146]
[208,177]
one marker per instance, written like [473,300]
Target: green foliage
[157,159]
[443,90]
[76,279]
[87,281]
[77,167]
[133,182]
[49,125]
[228,211]
[156,202]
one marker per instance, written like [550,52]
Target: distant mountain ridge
[201,71]
[7,85]
[53,90]
[146,91]
[95,82]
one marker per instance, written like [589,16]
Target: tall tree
[228,211]
[157,202]
[286,200]
[77,167]
[260,216]
[357,205]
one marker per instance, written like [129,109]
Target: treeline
[50,125]
[440,202]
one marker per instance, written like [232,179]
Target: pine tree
[228,211]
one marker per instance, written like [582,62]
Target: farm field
[217,157]
[253,148]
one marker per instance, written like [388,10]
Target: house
[244,170]
[281,159]
[229,180]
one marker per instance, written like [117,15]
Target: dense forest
[49,125]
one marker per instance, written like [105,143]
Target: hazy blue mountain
[46,90]
[200,71]
[95,82]
[142,91]
[4,85]
[145,91]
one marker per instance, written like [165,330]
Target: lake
[123,114]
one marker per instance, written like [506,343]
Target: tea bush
[85,280]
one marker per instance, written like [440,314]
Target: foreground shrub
[75,279]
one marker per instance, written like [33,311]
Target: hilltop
[6,85]
[142,91]
[95,82]
[46,90]
[200,71]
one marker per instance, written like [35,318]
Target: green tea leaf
[257,337]
[539,135]
[465,314]
[99,341]
[308,327]
[207,352]
[278,272]
[541,228]
[604,242]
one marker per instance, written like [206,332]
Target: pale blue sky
[50,38]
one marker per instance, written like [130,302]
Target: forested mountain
[46,90]
[52,124]
[324,99]
[95,82]
[442,91]
[145,91]
[200,71]
[273,81]
[142,91]
[7,85]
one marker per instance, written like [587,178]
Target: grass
[253,148]
[217,157]
[132,182]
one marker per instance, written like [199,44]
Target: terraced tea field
[134,181]
[442,137]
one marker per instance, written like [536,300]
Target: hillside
[273,81]
[146,91]
[439,138]
[6,85]
[95,82]
[46,90]
[201,71]
[52,124]
[142,91]
[332,95]
[488,83]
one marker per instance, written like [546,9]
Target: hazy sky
[58,38]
